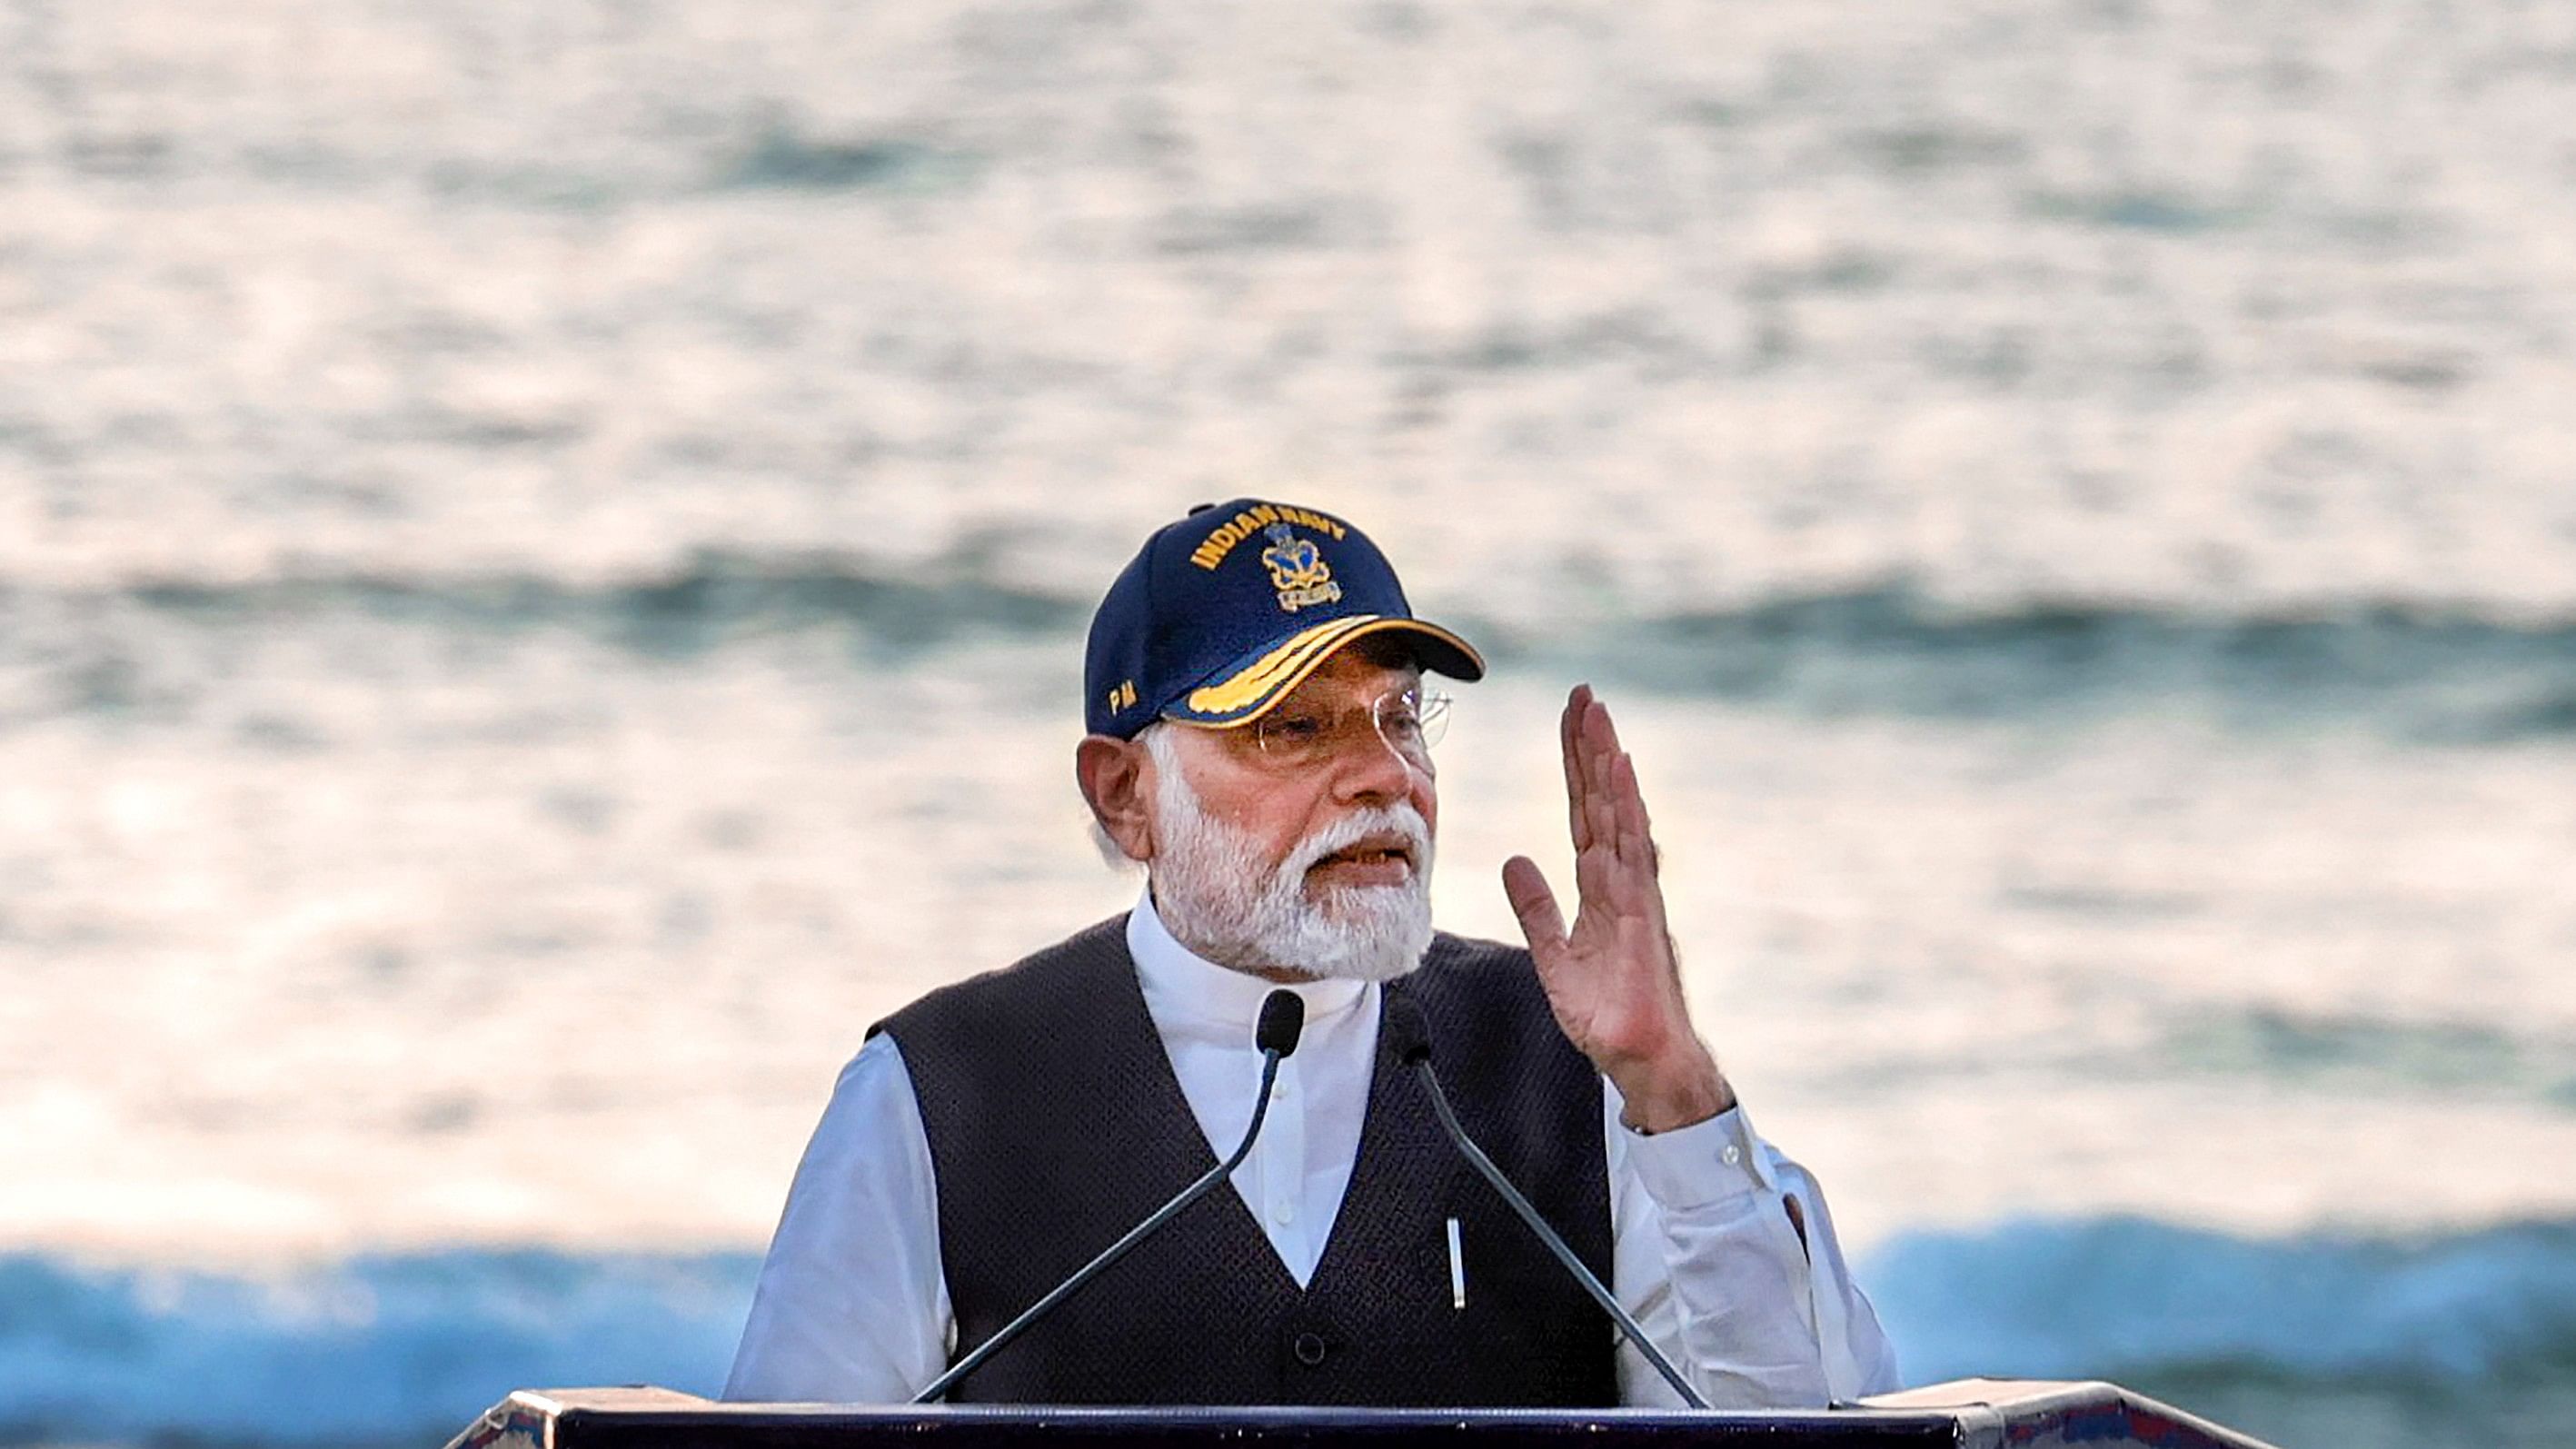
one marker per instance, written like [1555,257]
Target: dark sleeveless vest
[1055,1124]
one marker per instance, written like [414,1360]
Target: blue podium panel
[1969,1414]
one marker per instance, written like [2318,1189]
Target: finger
[1569,729]
[1610,735]
[1596,882]
[1628,802]
[1600,805]
[1597,742]
[1609,730]
[1534,905]
[1628,829]
[1641,897]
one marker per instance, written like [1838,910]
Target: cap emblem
[1298,570]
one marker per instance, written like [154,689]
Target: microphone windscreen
[1401,1027]
[1283,1018]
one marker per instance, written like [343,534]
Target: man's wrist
[1668,1096]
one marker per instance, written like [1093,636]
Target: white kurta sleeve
[852,1306]
[1709,1258]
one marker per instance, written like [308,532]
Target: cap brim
[1240,692]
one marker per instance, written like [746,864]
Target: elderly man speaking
[1260,738]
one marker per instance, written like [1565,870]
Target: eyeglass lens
[1405,721]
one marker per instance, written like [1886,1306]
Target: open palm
[1613,978]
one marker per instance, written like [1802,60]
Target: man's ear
[1116,777]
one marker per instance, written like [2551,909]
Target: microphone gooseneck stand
[1283,1018]
[1411,1041]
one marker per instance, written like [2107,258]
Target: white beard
[1211,891]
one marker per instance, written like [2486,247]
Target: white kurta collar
[1190,995]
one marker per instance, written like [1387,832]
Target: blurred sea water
[543,553]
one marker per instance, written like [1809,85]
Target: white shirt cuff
[1704,1163]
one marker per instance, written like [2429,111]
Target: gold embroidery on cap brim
[1228,695]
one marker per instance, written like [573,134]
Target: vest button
[1310,1349]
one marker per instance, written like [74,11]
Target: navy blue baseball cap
[1223,612]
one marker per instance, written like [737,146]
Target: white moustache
[1399,819]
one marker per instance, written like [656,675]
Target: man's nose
[1367,766]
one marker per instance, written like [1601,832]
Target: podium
[1967,1414]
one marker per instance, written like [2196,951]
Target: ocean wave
[2340,1054]
[374,1350]
[694,604]
[2133,1299]
[2420,673]
[385,1349]
[2350,1051]
[783,158]
[2429,673]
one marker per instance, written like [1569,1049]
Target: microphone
[1410,1039]
[1283,1019]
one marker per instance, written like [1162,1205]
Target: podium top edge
[1944,1400]
[573,1404]
[1967,1412]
